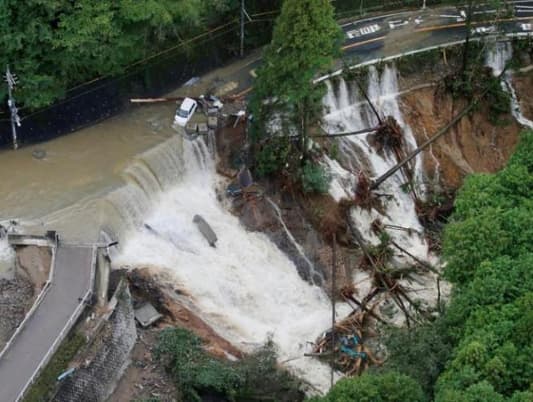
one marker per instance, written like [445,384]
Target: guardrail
[412,52]
[38,301]
[64,331]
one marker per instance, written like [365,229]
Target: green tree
[488,247]
[305,41]
[52,45]
[386,387]
[481,349]
[419,352]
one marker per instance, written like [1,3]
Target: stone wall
[107,357]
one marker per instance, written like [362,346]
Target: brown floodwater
[83,164]
[57,192]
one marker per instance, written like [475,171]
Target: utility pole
[242,28]
[243,14]
[11,80]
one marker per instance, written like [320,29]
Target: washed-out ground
[145,378]
[18,293]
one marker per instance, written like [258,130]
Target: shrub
[256,377]
[272,156]
[191,367]
[314,178]
[386,387]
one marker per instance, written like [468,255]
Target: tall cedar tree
[305,41]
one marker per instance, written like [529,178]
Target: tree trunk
[469,13]
[304,112]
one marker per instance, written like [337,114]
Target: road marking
[363,43]
[462,24]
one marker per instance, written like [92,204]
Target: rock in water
[206,230]
[39,154]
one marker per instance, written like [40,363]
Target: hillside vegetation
[481,348]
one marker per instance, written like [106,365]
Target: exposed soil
[145,377]
[474,145]
[34,263]
[17,295]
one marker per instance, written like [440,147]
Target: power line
[104,84]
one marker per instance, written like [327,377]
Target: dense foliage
[315,178]
[385,387]
[489,249]
[197,373]
[53,45]
[481,348]
[286,102]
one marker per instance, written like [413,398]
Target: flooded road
[78,166]
[58,191]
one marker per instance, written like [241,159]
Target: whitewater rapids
[245,288]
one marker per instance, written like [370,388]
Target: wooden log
[435,137]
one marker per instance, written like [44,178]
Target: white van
[185,111]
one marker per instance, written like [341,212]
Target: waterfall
[351,113]
[515,104]
[496,58]
[245,288]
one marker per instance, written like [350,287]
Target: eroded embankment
[245,288]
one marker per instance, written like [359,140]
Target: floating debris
[206,230]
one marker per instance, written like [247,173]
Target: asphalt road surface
[72,278]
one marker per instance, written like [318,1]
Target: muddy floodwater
[77,168]
[56,191]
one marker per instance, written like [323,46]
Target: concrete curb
[411,52]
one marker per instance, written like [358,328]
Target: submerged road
[45,328]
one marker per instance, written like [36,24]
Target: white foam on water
[496,58]
[515,104]
[342,182]
[350,113]
[245,288]
[297,246]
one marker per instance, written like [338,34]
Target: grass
[42,389]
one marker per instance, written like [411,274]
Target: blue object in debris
[234,190]
[347,345]
[353,353]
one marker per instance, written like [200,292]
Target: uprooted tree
[286,102]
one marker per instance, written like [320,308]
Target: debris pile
[388,137]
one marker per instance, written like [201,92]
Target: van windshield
[182,113]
